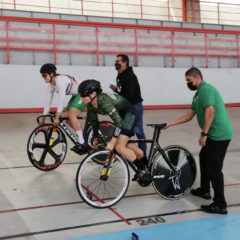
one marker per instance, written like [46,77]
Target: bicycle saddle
[156,125]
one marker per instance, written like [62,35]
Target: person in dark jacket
[127,85]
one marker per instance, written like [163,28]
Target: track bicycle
[47,144]
[173,171]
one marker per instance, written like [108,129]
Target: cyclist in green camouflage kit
[124,116]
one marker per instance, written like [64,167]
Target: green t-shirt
[207,95]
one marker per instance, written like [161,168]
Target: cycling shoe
[142,177]
[80,149]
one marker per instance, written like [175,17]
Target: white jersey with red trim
[65,85]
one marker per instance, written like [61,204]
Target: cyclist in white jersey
[64,85]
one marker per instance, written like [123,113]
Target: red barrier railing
[217,12]
[99,39]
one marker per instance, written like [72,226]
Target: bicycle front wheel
[174,184]
[46,147]
[98,192]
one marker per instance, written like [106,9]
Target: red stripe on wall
[155,107]
[146,107]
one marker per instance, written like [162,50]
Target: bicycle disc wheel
[46,147]
[102,193]
[170,184]
[107,129]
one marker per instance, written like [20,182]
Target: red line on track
[111,209]
[65,204]
[120,216]
[79,202]
[232,184]
[37,207]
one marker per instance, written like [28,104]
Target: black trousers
[211,159]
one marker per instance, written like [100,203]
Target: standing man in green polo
[214,138]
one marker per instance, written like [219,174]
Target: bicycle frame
[69,133]
[66,129]
[153,149]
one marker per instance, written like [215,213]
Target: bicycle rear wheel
[170,184]
[46,147]
[100,193]
[107,129]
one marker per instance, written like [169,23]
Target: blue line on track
[213,228]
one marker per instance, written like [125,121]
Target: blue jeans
[139,127]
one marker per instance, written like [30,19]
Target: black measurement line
[103,223]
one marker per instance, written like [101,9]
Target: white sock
[80,136]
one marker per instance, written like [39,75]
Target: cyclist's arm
[106,103]
[184,118]
[61,85]
[48,101]
[113,113]
[93,118]
[49,97]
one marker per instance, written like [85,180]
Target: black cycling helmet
[48,68]
[88,86]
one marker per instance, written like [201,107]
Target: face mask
[191,87]
[117,66]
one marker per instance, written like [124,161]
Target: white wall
[23,87]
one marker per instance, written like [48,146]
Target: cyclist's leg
[132,153]
[75,123]
[127,131]
[122,149]
[138,152]
[74,109]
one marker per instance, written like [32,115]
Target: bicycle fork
[52,138]
[107,168]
